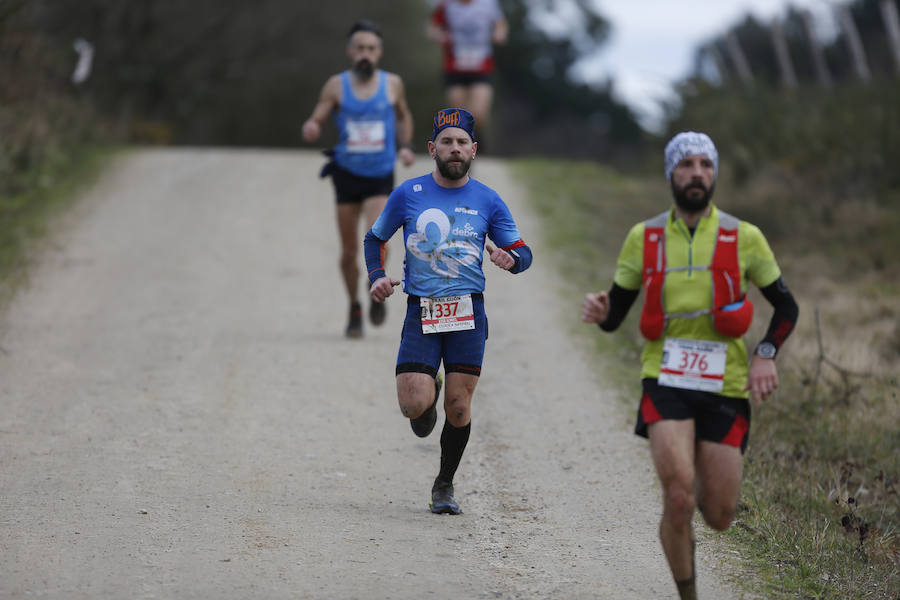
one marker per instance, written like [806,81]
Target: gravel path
[182,418]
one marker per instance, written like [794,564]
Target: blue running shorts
[461,351]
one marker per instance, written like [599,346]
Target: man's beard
[364,69]
[692,204]
[453,172]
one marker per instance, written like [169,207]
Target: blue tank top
[367,146]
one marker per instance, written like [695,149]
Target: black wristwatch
[766,350]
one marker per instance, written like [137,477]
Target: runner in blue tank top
[366,147]
[447,218]
[372,116]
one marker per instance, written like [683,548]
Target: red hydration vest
[732,311]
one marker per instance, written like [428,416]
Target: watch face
[766,350]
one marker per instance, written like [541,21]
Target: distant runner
[446,218]
[372,117]
[467,31]
[695,262]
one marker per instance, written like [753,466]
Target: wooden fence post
[788,75]
[823,75]
[892,25]
[856,48]
[713,52]
[737,57]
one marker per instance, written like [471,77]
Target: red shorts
[717,418]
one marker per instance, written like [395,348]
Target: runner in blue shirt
[446,217]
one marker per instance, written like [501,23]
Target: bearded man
[373,120]
[695,262]
[446,217]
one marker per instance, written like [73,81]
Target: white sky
[653,42]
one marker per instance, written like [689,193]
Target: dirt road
[182,418]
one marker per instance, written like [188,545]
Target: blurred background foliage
[228,72]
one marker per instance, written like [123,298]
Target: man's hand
[763,378]
[382,288]
[406,156]
[311,130]
[595,308]
[500,257]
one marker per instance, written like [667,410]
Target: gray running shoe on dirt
[442,499]
[354,324]
[424,423]
[377,313]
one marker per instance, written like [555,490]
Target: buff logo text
[448,119]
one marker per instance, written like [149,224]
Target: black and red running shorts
[717,418]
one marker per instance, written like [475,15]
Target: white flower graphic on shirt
[445,255]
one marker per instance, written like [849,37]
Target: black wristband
[411,147]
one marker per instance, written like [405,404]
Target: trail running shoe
[377,313]
[354,325]
[442,499]
[424,423]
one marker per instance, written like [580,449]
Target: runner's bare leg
[458,97]
[415,394]
[371,208]
[347,219]
[672,448]
[458,398]
[719,469]
[480,97]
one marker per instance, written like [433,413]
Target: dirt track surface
[182,418]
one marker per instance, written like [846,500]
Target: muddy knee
[457,410]
[413,407]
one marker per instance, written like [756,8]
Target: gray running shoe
[354,324]
[442,499]
[377,313]
[423,425]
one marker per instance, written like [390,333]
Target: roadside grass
[41,192]
[820,510]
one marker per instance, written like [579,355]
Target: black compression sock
[687,589]
[453,444]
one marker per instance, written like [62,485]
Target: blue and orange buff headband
[453,117]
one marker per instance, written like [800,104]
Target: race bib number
[469,59]
[365,136]
[693,364]
[450,313]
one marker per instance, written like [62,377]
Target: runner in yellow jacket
[695,262]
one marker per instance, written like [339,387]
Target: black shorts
[467,79]
[354,189]
[717,418]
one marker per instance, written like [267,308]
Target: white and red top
[470,25]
